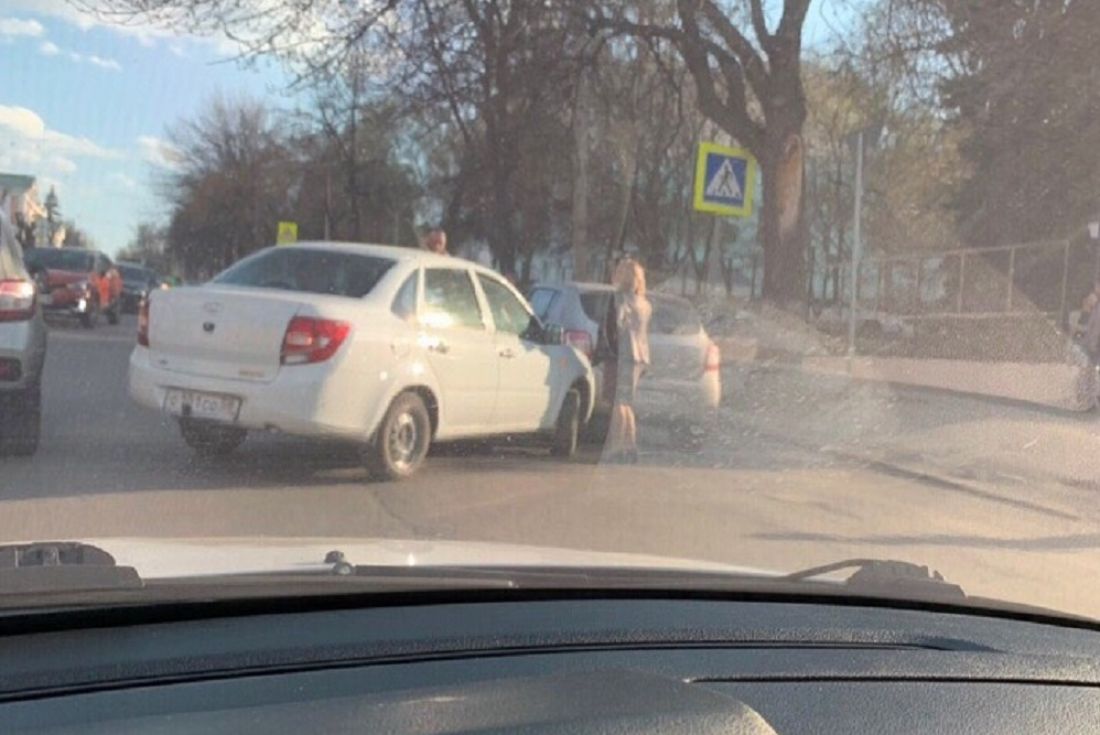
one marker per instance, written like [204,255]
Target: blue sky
[84,107]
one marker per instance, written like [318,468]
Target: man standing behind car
[436,242]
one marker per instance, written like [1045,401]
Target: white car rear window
[310,271]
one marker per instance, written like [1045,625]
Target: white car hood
[174,558]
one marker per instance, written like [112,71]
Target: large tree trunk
[501,242]
[783,223]
[582,122]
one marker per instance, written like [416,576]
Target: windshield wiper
[874,576]
[884,575]
[51,568]
[62,566]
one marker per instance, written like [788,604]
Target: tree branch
[794,16]
[732,115]
[760,25]
[755,68]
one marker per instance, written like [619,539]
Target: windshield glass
[672,316]
[542,300]
[59,259]
[135,274]
[814,281]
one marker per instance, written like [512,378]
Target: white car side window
[509,315]
[450,299]
[404,304]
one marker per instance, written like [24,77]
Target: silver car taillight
[18,299]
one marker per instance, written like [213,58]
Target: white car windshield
[734,285]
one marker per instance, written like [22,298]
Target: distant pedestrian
[436,241]
[627,335]
[1091,314]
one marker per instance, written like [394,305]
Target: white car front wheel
[568,428]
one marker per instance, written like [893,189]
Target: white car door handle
[507,353]
[440,347]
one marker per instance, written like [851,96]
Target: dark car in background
[76,282]
[137,282]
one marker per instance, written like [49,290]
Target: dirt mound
[999,339]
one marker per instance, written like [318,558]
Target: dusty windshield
[67,260]
[812,280]
[135,274]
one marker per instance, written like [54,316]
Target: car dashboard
[571,665]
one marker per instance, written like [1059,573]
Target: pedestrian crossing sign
[724,180]
[287,233]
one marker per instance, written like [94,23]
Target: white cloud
[26,141]
[20,27]
[122,181]
[103,63]
[49,48]
[158,152]
[61,165]
[60,9]
[22,121]
[147,34]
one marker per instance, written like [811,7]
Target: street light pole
[857,246]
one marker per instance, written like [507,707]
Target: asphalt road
[800,471]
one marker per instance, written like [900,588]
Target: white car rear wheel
[402,440]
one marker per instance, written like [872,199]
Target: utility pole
[857,246]
[582,121]
[328,203]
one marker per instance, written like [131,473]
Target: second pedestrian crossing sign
[724,180]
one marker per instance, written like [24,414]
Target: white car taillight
[309,340]
[17,300]
[143,323]
[713,361]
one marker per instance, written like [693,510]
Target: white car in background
[391,347]
[683,384]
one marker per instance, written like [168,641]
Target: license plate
[200,405]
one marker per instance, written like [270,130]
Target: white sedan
[391,347]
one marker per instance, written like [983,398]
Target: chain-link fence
[1008,302]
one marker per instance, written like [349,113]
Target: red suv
[82,283]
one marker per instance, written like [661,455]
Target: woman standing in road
[627,331]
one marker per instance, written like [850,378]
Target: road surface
[800,471]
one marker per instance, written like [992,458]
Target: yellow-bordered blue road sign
[725,179]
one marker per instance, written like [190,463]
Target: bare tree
[753,92]
[149,247]
[230,187]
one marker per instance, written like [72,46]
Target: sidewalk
[952,437]
[1044,368]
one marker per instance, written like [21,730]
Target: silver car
[683,385]
[22,350]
